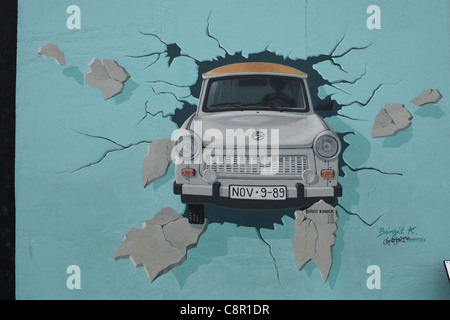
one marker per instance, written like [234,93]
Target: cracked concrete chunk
[383,119]
[390,120]
[162,219]
[161,244]
[110,88]
[183,235]
[314,236]
[52,50]
[97,73]
[108,76]
[115,71]
[157,160]
[399,114]
[427,96]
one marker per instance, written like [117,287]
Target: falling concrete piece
[390,120]
[427,96]
[383,125]
[161,244]
[305,238]
[314,236]
[97,73]
[52,50]
[110,88]
[99,76]
[383,119]
[157,160]
[162,218]
[399,114]
[115,71]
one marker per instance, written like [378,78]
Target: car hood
[294,130]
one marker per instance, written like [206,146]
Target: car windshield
[256,93]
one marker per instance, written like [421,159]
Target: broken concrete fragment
[110,88]
[427,96]
[162,219]
[399,114]
[157,160]
[314,236]
[99,77]
[182,234]
[390,120]
[383,119]
[52,50]
[115,71]
[304,239]
[97,73]
[137,246]
[161,244]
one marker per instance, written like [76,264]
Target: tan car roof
[254,67]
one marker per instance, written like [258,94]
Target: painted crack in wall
[179,115]
[315,81]
[258,231]
[120,147]
[164,115]
[172,51]
[81,218]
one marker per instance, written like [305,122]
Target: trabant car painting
[255,142]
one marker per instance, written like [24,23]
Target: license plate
[258,193]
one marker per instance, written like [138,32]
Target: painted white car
[255,142]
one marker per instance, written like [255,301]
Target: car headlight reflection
[327,146]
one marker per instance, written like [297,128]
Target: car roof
[252,68]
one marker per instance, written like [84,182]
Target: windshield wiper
[262,104]
[237,105]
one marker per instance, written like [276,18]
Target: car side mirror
[326,105]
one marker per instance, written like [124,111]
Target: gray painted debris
[108,76]
[427,96]
[115,71]
[390,120]
[161,244]
[52,50]
[157,160]
[314,236]
[97,73]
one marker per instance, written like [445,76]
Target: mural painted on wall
[290,155]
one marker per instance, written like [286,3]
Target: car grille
[287,165]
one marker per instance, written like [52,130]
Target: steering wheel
[274,97]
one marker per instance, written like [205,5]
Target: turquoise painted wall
[79,158]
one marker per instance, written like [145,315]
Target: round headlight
[326,146]
[187,145]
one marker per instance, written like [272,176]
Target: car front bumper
[298,197]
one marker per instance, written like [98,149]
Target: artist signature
[399,235]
